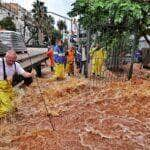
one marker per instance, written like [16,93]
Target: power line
[59,15]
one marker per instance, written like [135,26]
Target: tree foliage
[43,21]
[8,24]
[114,18]
[61,25]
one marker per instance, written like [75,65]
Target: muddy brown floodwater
[114,116]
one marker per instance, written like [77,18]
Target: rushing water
[111,117]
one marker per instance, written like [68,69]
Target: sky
[58,6]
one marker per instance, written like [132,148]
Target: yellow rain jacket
[6,96]
[98,57]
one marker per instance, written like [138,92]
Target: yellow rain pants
[59,72]
[6,96]
[97,61]
[70,67]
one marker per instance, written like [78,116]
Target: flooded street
[111,116]
[74,74]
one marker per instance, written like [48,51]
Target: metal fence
[119,59]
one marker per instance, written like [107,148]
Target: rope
[38,85]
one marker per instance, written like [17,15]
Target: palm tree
[61,25]
[43,21]
[40,18]
[49,27]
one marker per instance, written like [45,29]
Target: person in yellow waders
[59,58]
[92,58]
[98,55]
[8,67]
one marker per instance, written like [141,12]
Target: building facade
[17,13]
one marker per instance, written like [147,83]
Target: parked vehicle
[28,57]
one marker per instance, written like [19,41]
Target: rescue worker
[78,58]
[84,61]
[8,67]
[92,59]
[50,54]
[70,61]
[98,55]
[59,58]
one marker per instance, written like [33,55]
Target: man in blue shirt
[59,58]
